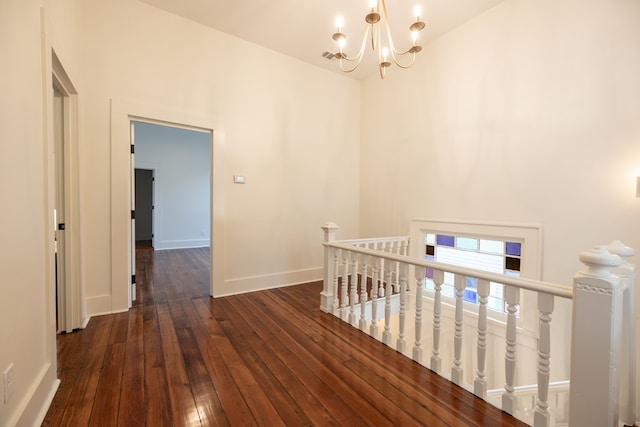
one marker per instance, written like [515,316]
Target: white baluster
[373,328]
[381,292]
[417,346]
[401,343]
[386,335]
[480,383]
[353,295]
[509,400]
[363,294]
[438,280]
[396,281]
[456,370]
[336,300]
[541,415]
[344,286]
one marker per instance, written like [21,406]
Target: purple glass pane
[444,240]
[430,273]
[513,248]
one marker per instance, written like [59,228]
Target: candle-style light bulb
[339,23]
[385,52]
[372,5]
[417,11]
[341,44]
[414,36]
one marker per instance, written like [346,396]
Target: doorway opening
[171,186]
[144,180]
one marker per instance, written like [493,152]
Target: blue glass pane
[472,283]
[470,296]
[430,273]
[467,243]
[430,258]
[444,240]
[513,248]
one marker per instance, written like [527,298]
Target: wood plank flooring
[270,358]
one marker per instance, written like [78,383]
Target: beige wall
[290,128]
[27,322]
[529,113]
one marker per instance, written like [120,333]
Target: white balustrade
[420,274]
[373,328]
[460,283]
[602,386]
[363,294]
[512,299]
[480,383]
[438,280]
[345,285]
[401,343]
[386,335]
[353,289]
[541,416]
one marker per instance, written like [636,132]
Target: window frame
[529,235]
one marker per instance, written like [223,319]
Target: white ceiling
[303,28]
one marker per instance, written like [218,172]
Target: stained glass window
[491,255]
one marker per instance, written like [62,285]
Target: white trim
[531,256]
[243,285]
[122,113]
[182,244]
[34,406]
[99,305]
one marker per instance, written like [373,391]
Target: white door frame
[122,114]
[73,313]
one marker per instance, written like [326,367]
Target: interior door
[144,206]
[132,257]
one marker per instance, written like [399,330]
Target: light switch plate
[239,179]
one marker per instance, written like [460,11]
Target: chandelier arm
[413,60]
[358,57]
[392,48]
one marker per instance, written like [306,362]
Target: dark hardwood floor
[270,358]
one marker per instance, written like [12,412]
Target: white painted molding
[122,112]
[33,408]
[269,281]
[182,244]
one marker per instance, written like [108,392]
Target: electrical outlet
[9,384]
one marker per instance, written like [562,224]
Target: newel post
[627,368]
[597,309]
[326,296]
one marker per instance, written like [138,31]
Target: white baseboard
[36,403]
[98,305]
[181,244]
[269,281]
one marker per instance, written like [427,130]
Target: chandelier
[386,54]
